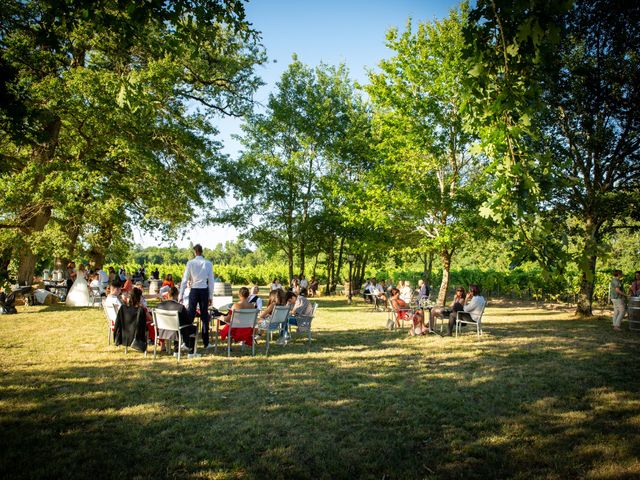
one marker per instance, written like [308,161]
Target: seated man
[473,306]
[301,308]
[254,299]
[114,295]
[189,330]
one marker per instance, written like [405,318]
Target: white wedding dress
[78,295]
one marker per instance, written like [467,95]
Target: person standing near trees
[617,295]
[199,272]
[634,291]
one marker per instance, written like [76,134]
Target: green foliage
[109,117]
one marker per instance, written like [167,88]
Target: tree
[104,104]
[555,104]
[594,94]
[423,188]
[287,149]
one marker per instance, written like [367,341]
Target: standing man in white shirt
[199,272]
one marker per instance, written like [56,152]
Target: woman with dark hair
[456,305]
[473,307]
[404,312]
[239,334]
[276,297]
[131,323]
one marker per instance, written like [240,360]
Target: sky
[330,31]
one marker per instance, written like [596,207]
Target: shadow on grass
[558,401]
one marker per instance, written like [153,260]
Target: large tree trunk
[588,270]
[25,254]
[35,222]
[340,252]
[5,260]
[302,254]
[98,252]
[290,260]
[445,255]
[330,268]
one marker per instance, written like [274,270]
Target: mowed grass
[540,395]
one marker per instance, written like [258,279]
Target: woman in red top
[168,281]
[404,312]
[239,334]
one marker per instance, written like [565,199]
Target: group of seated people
[373,291]
[298,304]
[134,322]
[133,318]
[465,306]
[297,283]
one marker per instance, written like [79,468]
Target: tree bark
[330,267]
[445,255]
[429,269]
[25,254]
[588,269]
[340,252]
[5,260]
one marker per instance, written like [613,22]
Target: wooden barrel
[634,313]
[221,289]
[154,286]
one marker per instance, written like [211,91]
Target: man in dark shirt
[188,332]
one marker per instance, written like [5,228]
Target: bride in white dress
[78,295]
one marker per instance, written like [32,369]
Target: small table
[57,288]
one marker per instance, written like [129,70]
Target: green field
[540,395]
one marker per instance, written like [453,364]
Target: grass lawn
[540,395]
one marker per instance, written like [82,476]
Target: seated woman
[473,308]
[313,287]
[131,324]
[239,334]
[404,312]
[423,293]
[456,305]
[167,284]
[276,298]
[149,316]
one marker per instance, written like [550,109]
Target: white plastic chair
[169,320]
[477,323]
[304,324]
[404,314]
[110,314]
[275,322]
[243,318]
[95,296]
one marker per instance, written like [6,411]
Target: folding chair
[275,322]
[402,314]
[375,301]
[477,323]
[169,320]
[219,303]
[304,324]
[243,318]
[95,296]
[110,314]
[391,316]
